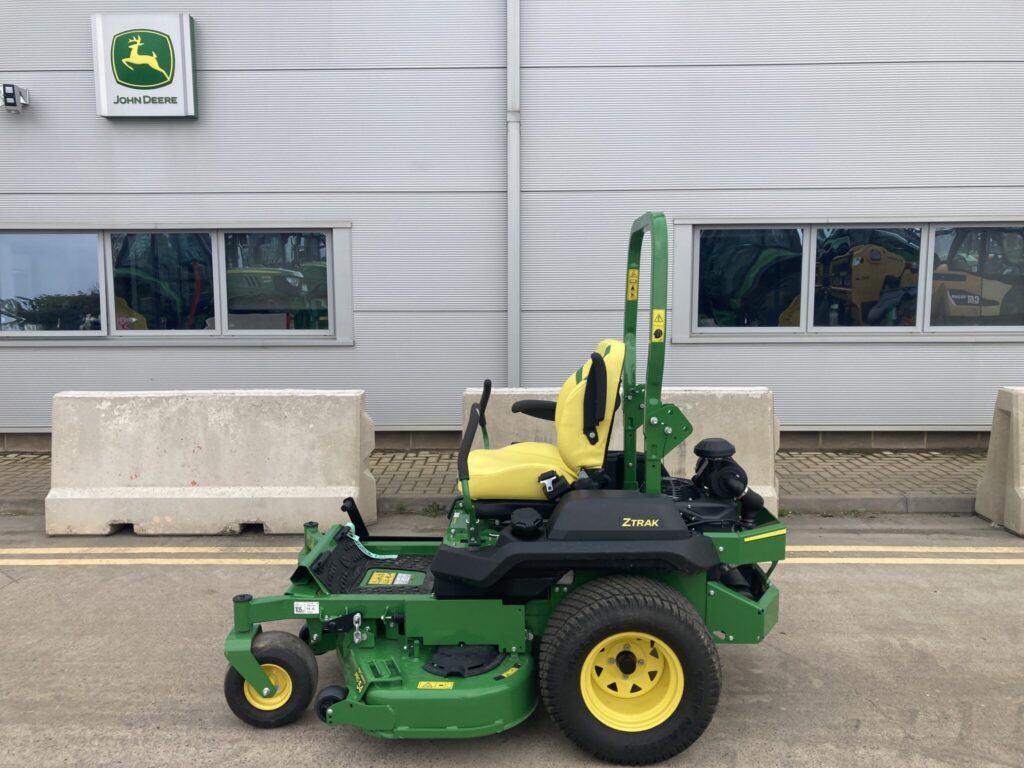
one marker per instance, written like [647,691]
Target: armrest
[539,409]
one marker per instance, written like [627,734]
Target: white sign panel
[144,65]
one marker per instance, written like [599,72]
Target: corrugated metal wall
[762,112]
[391,116]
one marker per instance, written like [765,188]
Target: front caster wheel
[327,698]
[291,667]
[628,670]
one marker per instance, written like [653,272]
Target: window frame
[222,292]
[697,330]
[100,279]
[960,330]
[340,289]
[845,330]
[684,277]
[115,332]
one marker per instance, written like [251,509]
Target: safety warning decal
[508,672]
[435,685]
[382,578]
[632,284]
[303,608]
[657,325]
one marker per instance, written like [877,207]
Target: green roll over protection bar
[664,425]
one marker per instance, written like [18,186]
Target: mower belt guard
[733,618]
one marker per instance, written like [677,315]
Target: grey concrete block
[1001,488]
[204,462]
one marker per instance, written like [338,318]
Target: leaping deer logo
[142,58]
[149,59]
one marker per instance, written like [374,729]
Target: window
[277,281]
[50,282]
[899,278]
[163,281]
[866,277]
[178,284]
[749,278]
[978,276]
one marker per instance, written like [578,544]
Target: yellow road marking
[14,561]
[887,548]
[148,561]
[140,550]
[903,561]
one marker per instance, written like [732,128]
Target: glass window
[866,277]
[749,278]
[277,281]
[163,281]
[49,282]
[978,276]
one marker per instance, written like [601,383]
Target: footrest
[347,570]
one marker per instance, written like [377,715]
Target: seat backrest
[578,450]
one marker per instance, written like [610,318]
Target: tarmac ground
[900,644]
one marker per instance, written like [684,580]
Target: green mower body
[605,599]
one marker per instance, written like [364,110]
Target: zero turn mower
[585,578]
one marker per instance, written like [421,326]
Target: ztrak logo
[637,522]
[142,58]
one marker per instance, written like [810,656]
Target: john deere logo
[142,58]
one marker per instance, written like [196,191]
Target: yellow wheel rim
[632,681]
[281,680]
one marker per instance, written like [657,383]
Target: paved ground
[809,481]
[894,659]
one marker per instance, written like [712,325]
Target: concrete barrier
[1001,488]
[743,415]
[205,462]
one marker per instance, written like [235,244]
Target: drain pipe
[512,191]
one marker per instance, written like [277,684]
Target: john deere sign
[144,65]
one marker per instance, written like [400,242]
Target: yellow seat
[512,472]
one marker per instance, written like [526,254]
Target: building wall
[391,116]
[761,113]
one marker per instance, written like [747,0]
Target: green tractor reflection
[277,281]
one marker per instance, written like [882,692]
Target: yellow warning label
[657,325]
[510,671]
[632,284]
[382,577]
[435,685]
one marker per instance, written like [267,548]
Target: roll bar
[664,426]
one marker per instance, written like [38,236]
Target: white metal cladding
[389,116]
[702,32]
[869,385]
[574,243]
[762,127]
[414,365]
[268,131]
[271,35]
[410,251]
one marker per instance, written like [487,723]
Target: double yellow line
[822,554]
[43,556]
[878,554]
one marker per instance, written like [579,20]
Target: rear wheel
[291,667]
[628,670]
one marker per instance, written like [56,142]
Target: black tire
[628,604]
[303,633]
[327,698]
[295,658]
